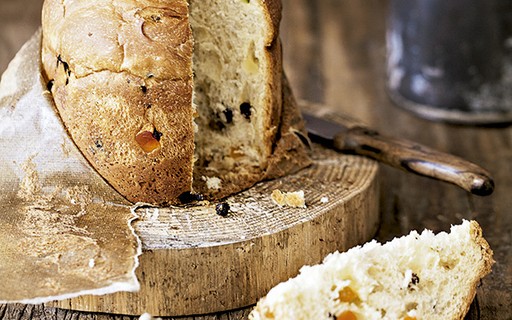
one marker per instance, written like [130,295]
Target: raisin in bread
[419,276]
[165,98]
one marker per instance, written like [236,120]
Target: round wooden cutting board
[195,261]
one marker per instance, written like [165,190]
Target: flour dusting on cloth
[64,231]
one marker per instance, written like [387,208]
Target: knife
[399,153]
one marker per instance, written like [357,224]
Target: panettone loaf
[168,98]
[419,276]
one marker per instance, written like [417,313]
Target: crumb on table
[289,199]
[212,183]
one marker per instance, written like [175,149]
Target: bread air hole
[411,306]
[448,263]
[98,143]
[220,118]
[251,64]
[228,115]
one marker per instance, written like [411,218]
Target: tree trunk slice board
[198,262]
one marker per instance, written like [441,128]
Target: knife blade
[399,153]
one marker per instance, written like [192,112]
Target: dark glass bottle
[451,60]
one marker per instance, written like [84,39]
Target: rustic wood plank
[255,247]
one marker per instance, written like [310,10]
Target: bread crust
[485,269]
[127,70]
[274,10]
[274,88]
[291,150]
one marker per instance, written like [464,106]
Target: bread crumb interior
[230,86]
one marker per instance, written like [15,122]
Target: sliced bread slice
[238,92]
[419,276]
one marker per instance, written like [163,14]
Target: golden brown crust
[285,128]
[274,104]
[274,12]
[487,253]
[127,70]
[291,150]
[488,261]
[273,9]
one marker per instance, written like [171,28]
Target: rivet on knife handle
[415,158]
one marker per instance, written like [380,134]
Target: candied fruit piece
[245,110]
[348,295]
[222,209]
[269,314]
[347,315]
[147,141]
[409,318]
[251,64]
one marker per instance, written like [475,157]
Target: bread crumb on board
[324,200]
[289,199]
[212,183]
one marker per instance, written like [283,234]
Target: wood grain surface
[197,262]
[334,54]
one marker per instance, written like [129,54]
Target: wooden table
[335,54]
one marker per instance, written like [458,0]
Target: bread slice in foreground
[419,276]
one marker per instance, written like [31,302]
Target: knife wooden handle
[415,158]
